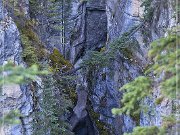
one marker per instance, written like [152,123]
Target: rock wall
[121,16]
[13,96]
[162,20]
[93,25]
[129,13]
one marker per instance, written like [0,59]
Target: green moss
[73,95]
[13,6]
[58,62]
[169,121]
[33,48]
[70,92]
[67,87]
[103,49]
[11,118]
[99,124]
[29,52]
[30,34]
[125,44]
[159,100]
[127,53]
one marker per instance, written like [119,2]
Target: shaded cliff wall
[103,93]
[99,23]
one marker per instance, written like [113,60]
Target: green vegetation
[58,91]
[102,127]
[58,62]
[53,106]
[133,95]
[67,86]
[124,44]
[148,10]
[28,54]
[169,121]
[150,130]
[13,74]
[94,58]
[159,100]
[49,116]
[50,113]
[165,56]
[54,16]
[33,49]
[10,118]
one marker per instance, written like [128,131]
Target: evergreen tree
[50,113]
[164,54]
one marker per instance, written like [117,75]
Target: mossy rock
[102,128]
[73,95]
[33,48]
[100,125]
[159,100]
[66,84]
[169,121]
[29,38]
[70,92]
[151,130]
[127,53]
[29,52]
[58,62]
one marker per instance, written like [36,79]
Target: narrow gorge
[105,67]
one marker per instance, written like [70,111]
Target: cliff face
[158,27]
[13,96]
[92,26]
[121,17]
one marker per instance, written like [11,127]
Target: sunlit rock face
[13,96]
[10,49]
[122,15]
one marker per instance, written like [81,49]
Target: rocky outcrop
[10,50]
[13,96]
